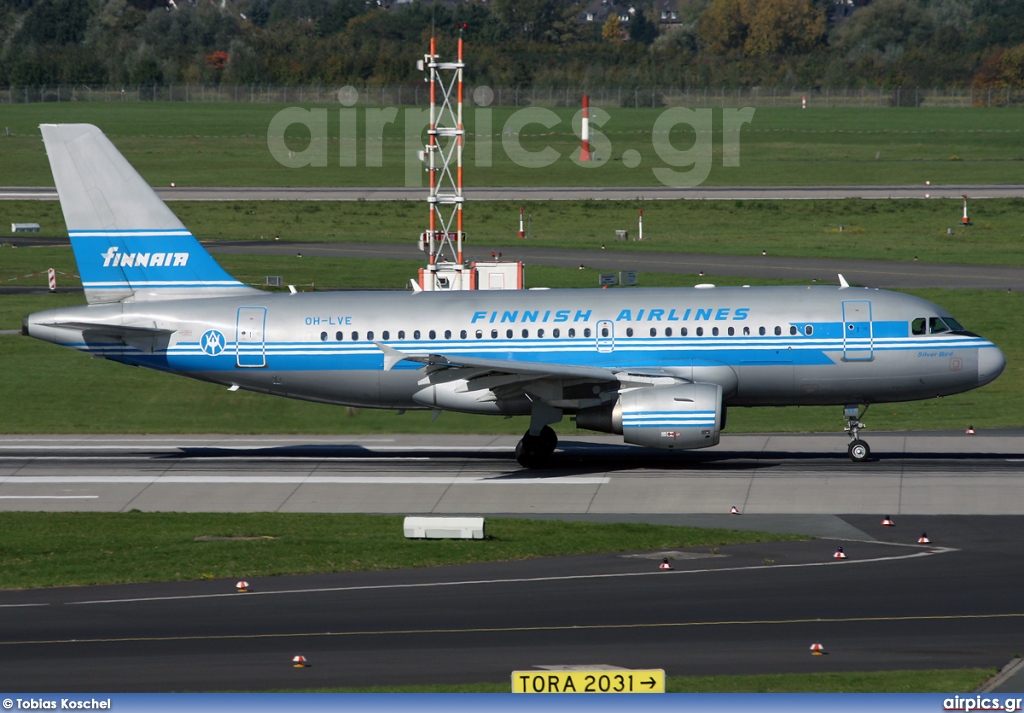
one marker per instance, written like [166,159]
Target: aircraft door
[858,336]
[605,336]
[250,337]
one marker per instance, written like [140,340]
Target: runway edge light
[887,522]
[923,539]
[242,587]
[734,510]
[665,564]
[817,649]
[839,555]
[299,662]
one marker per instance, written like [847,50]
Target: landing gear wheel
[859,451]
[533,451]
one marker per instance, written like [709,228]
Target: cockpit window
[935,325]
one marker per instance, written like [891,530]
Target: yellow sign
[613,681]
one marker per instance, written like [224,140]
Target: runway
[893,604]
[565,193]
[931,473]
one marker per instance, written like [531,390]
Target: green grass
[66,549]
[881,230]
[936,681]
[199,144]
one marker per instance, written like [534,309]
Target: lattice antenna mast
[446,137]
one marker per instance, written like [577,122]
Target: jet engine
[679,416]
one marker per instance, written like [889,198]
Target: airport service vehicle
[658,366]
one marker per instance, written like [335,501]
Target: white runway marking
[618,575]
[297,480]
[49,497]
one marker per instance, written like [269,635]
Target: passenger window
[808,329]
[572,332]
[556,333]
[700,331]
[463,334]
[792,330]
[416,334]
[919,326]
[540,333]
[629,331]
[586,332]
[508,333]
[746,331]
[654,332]
[369,335]
[479,334]
[494,334]
[526,334]
[683,331]
[401,334]
[778,331]
[355,336]
[432,334]
[447,334]
[731,331]
[338,336]
[714,331]
[323,336]
[761,331]
[668,331]
[386,335]
[604,331]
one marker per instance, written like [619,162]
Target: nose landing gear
[859,450]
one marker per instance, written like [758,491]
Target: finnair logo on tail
[113,258]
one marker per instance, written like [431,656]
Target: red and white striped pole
[585,133]
[52,274]
[522,234]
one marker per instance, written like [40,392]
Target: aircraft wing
[528,369]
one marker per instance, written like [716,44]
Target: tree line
[516,43]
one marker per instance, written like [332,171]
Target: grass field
[71,549]
[226,145]
[881,230]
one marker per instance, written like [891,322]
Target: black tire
[547,441]
[859,451]
[528,454]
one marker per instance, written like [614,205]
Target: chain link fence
[418,94]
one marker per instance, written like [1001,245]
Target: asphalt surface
[542,193]
[931,473]
[748,609]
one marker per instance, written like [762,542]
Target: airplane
[658,366]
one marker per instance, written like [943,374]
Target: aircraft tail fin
[127,242]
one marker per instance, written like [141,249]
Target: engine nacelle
[680,416]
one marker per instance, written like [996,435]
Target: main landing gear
[858,449]
[533,451]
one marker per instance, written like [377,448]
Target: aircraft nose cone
[991,363]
